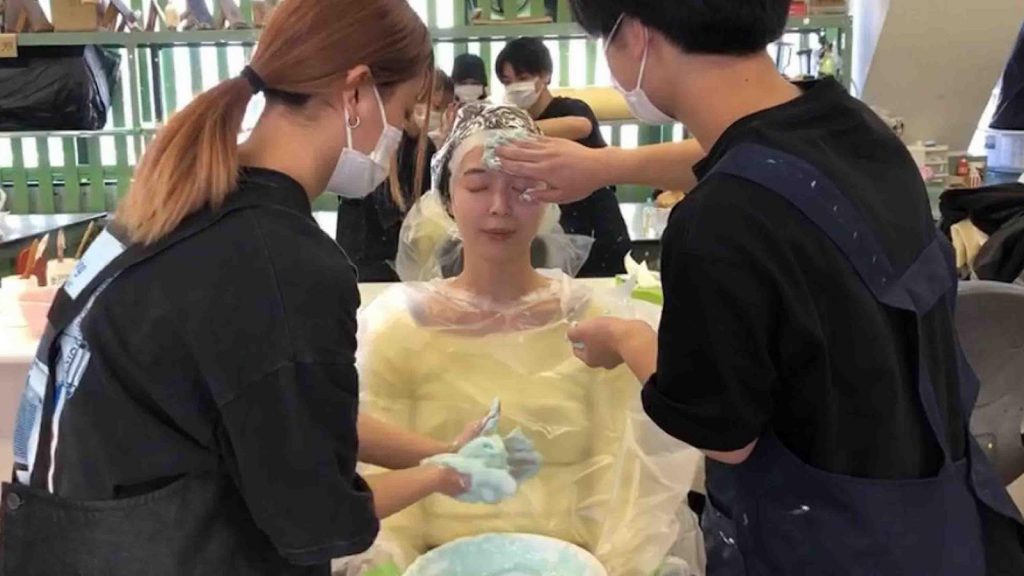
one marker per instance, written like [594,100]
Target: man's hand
[571,171]
[608,342]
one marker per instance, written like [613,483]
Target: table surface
[18,228]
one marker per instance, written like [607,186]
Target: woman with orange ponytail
[193,406]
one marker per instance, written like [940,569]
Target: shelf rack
[147,95]
[456,34]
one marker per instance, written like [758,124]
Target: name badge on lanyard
[102,252]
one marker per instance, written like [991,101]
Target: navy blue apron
[197,525]
[775,515]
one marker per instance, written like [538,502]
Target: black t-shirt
[767,327]
[233,350]
[598,215]
[368,229]
[766,324]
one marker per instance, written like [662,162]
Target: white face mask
[639,104]
[522,94]
[469,92]
[357,174]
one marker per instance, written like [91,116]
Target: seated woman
[436,353]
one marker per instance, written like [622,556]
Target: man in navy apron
[807,343]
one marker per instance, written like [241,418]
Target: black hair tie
[255,82]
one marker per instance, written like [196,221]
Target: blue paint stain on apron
[775,515]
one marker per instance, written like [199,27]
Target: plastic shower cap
[473,119]
[429,244]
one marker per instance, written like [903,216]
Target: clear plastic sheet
[433,357]
[429,245]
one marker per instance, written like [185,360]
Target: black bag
[57,88]
[1009,113]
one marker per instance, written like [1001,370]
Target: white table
[18,228]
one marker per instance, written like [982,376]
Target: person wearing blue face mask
[807,343]
[193,406]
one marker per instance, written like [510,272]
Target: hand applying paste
[503,138]
[485,462]
[495,466]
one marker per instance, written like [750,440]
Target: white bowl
[507,555]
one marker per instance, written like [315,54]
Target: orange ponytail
[192,162]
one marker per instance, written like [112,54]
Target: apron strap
[916,289]
[103,261]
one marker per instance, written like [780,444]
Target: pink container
[35,305]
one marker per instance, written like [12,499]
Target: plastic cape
[433,357]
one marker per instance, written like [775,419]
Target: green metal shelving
[456,34]
[148,93]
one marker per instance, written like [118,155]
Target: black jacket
[999,212]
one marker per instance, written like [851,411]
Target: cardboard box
[8,45]
[24,16]
[827,7]
[77,15]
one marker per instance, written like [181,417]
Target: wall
[868,17]
[936,62]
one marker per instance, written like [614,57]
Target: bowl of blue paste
[507,555]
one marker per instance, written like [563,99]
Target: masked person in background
[368,227]
[193,406]
[442,109]
[525,68]
[470,77]
[435,350]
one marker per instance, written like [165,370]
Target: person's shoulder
[388,309]
[273,251]
[388,326]
[727,217]
[573,106]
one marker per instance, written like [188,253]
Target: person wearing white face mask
[525,68]
[193,407]
[807,344]
[368,227]
[470,76]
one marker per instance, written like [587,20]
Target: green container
[652,294]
